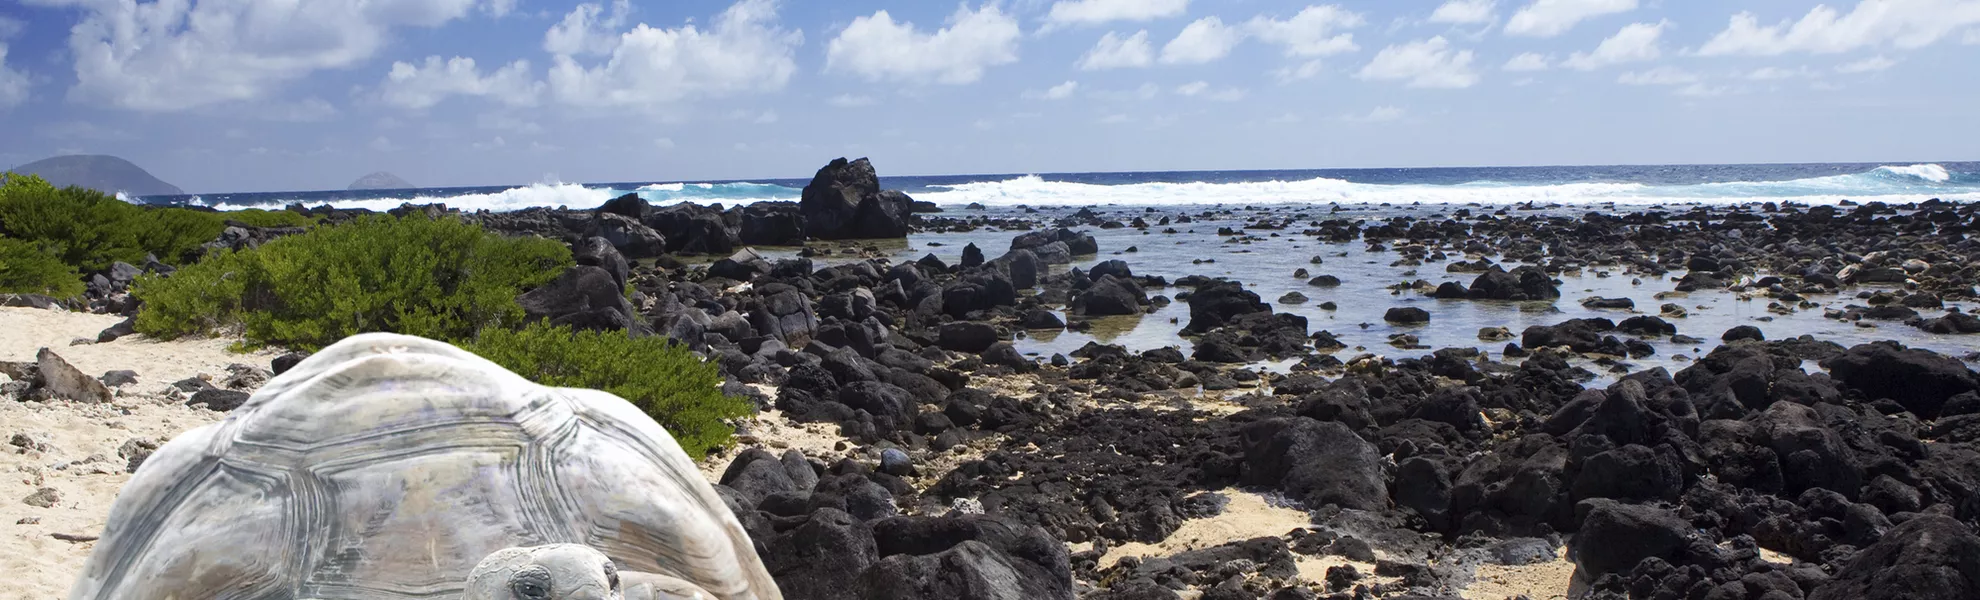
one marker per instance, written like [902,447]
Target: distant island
[381,181]
[95,171]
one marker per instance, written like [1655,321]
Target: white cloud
[1778,73]
[879,49]
[850,101]
[1429,63]
[1093,12]
[1874,63]
[1305,70]
[1380,114]
[1701,90]
[383,144]
[1203,89]
[1530,61]
[13,83]
[1635,42]
[1116,52]
[1057,92]
[1665,75]
[1903,24]
[583,32]
[1206,40]
[1311,33]
[1115,119]
[424,85]
[1549,18]
[1464,12]
[661,143]
[177,55]
[1972,37]
[743,51]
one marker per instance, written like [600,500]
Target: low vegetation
[26,269]
[439,278]
[89,230]
[680,391]
[436,278]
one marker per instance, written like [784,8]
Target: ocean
[1827,183]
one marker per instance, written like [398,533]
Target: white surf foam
[1928,172]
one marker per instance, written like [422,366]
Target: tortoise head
[548,572]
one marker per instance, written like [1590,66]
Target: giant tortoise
[389,466]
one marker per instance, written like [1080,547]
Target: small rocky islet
[1554,394]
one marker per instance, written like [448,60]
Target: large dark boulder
[1315,462]
[844,201]
[966,336]
[1110,295]
[772,224]
[1523,283]
[583,297]
[966,558]
[781,311]
[693,228]
[1929,557]
[599,252]
[823,558]
[632,238]
[1615,536]
[1220,302]
[1919,380]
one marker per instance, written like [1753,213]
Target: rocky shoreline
[1763,469]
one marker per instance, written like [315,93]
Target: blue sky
[258,95]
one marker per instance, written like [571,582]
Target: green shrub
[440,278]
[681,392]
[88,230]
[25,268]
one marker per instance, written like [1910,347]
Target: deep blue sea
[1623,185]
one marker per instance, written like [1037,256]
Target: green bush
[88,230]
[443,279]
[681,392]
[27,269]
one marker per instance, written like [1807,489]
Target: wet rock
[1039,318]
[1609,303]
[965,336]
[1110,295]
[1451,290]
[1522,283]
[1220,302]
[1406,315]
[1919,380]
[1742,332]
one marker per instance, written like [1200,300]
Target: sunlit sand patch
[1539,581]
[1247,516]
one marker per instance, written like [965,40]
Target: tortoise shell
[388,466]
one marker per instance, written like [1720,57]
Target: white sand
[23,331]
[84,438]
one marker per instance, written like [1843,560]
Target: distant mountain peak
[381,181]
[108,174]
